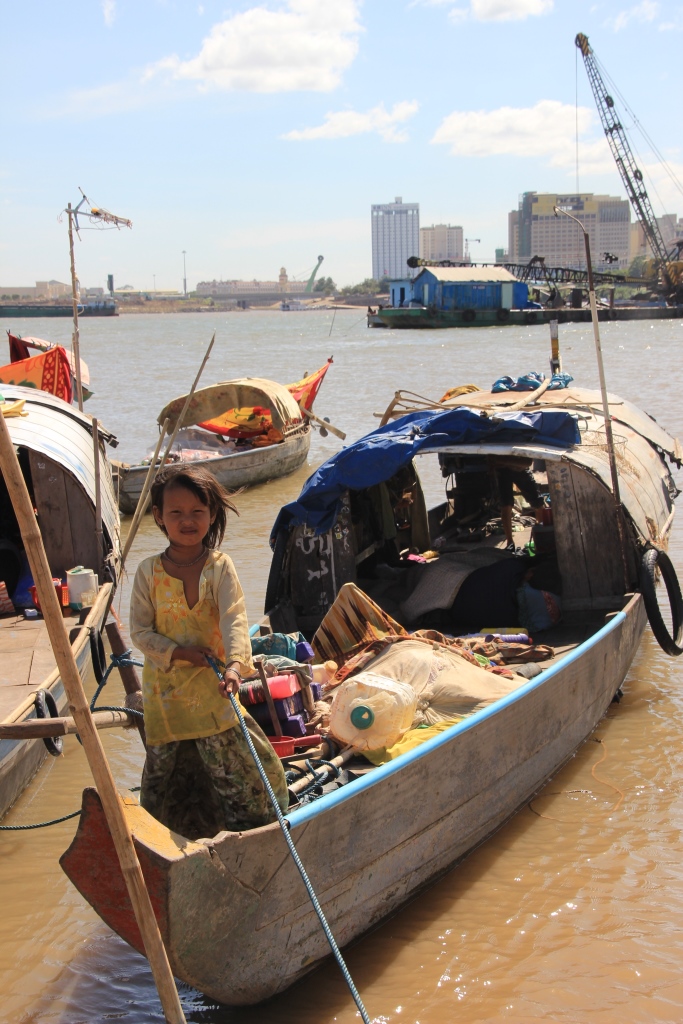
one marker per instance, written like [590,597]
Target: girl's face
[184,517]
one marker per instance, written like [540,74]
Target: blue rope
[117,661]
[284,825]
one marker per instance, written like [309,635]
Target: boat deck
[26,659]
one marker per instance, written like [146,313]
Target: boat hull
[420,318]
[245,469]
[368,848]
[21,759]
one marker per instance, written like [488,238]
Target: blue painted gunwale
[301,816]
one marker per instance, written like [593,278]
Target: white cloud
[509,10]
[303,45]
[494,10]
[644,12]
[109,12]
[546,131]
[344,123]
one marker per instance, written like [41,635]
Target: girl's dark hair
[205,487]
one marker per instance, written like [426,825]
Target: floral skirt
[204,786]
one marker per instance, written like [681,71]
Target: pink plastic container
[284,686]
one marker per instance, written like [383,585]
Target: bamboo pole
[75,343]
[98,498]
[39,728]
[144,498]
[616,496]
[78,706]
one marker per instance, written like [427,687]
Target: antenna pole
[75,341]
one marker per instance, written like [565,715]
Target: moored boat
[377,835]
[245,432]
[57,456]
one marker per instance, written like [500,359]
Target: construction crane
[316,268]
[667,264]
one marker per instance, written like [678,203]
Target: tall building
[441,242]
[539,232]
[395,237]
[670,226]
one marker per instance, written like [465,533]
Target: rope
[54,821]
[117,661]
[284,825]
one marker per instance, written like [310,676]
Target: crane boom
[631,175]
[316,268]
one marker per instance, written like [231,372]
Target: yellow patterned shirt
[181,701]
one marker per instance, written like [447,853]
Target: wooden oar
[323,423]
[78,705]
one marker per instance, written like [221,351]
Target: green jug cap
[362,717]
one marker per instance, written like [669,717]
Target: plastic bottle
[370,711]
[323,673]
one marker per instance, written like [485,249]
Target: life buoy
[503,315]
[46,707]
[530,318]
[469,315]
[654,559]
[97,655]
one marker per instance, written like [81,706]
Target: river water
[573,912]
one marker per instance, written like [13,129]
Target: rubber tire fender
[503,315]
[46,707]
[97,655]
[652,559]
[469,315]
[531,318]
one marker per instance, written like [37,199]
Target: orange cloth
[50,371]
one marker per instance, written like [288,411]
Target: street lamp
[184,276]
[603,389]
[154,278]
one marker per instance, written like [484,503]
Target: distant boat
[244,431]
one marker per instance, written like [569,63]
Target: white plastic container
[79,581]
[370,711]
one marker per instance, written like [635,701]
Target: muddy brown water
[573,912]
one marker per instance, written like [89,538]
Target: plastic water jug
[284,685]
[370,711]
[79,581]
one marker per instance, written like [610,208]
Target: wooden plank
[569,541]
[82,527]
[50,494]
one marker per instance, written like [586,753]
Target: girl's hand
[195,655]
[230,683]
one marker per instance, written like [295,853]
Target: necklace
[185,565]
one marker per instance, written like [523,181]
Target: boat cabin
[446,567]
[450,288]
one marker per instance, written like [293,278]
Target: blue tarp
[379,455]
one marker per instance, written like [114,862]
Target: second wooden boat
[245,432]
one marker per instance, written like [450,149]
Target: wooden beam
[94,751]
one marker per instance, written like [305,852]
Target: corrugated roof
[64,434]
[466,275]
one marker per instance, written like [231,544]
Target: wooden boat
[245,432]
[379,835]
[56,452]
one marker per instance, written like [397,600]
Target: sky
[257,135]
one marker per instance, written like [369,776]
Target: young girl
[187,604]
